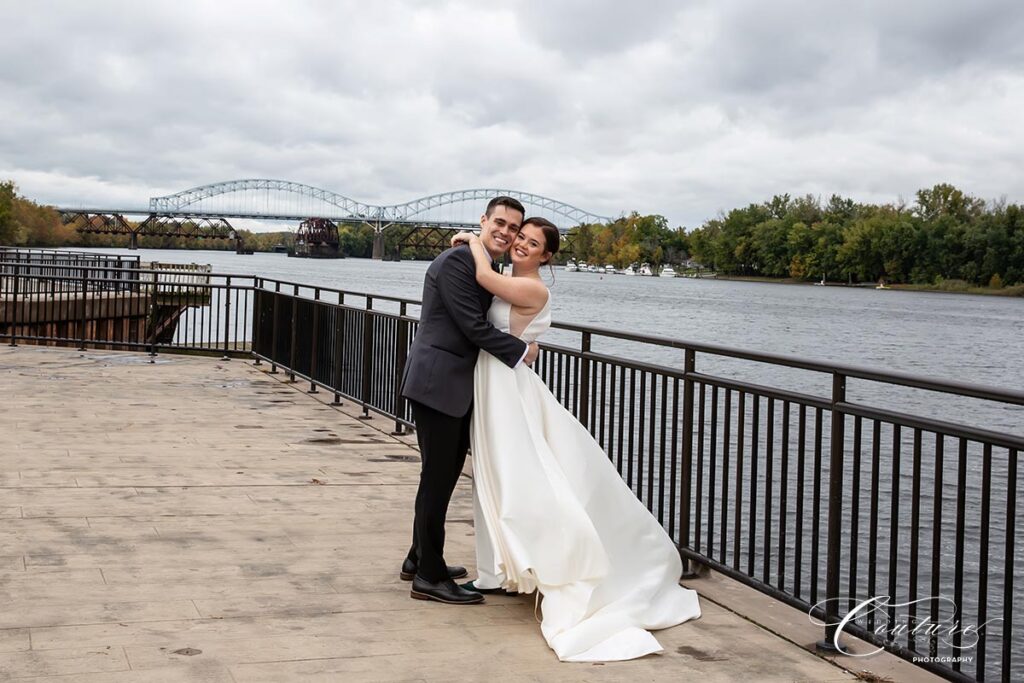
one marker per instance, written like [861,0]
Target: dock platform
[195,519]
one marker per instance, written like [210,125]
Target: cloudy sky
[679,108]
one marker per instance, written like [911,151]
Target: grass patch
[964,287]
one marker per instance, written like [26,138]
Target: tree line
[944,236]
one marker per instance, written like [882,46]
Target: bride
[551,513]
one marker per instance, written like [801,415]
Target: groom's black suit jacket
[453,328]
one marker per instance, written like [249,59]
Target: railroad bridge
[205,212]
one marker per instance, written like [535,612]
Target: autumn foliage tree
[946,235]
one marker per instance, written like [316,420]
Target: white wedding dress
[552,514]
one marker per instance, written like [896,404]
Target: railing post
[314,344]
[339,350]
[367,358]
[401,342]
[151,327]
[583,390]
[257,315]
[291,347]
[15,304]
[837,449]
[685,485]
[83,320]
[227,316]
[273,329]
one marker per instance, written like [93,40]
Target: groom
[438,383]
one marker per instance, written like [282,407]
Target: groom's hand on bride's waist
[531,353]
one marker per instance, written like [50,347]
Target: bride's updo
[552,238]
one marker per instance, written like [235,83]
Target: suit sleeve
[456,285]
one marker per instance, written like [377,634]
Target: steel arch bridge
[340,208]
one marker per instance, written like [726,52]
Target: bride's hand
[464,238]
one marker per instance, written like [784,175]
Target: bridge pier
[378,246]
[134,240]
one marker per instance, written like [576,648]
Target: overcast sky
[679,108]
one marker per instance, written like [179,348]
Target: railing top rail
[69,252]
[101,267]
[346,292]
[814,365]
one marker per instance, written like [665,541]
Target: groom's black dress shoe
[443,591]
[409,571]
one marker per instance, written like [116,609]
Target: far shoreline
[1013,291]
[948,287]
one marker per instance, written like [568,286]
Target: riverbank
[947,286]
[961,287]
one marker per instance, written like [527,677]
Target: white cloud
[657,107]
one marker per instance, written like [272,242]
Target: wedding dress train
[552,514]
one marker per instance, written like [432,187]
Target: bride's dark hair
[552,238]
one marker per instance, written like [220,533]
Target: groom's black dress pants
[443,441]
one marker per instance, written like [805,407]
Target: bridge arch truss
[189,198]
[338,207]
[408,211]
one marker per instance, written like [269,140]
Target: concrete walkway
[199,520]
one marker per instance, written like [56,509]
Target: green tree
[770,248]
[879,245]
[9,233]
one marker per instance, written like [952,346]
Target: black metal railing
[114,306]
[66,256]
[42,264]
[337,340]
[770,486]
[811,494]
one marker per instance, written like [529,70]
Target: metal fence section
[815,499]
[820,502]
[338,343]
[116,304]
[38,265]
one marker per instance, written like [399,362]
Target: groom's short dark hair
[507,202]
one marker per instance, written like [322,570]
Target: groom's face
[498,231]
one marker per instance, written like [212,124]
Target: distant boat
[822,283]
[628,270]
[571,266]
[668,271]
[645,269]
[609,269]
[593,269]
[881,285]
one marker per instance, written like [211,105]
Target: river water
[975,339]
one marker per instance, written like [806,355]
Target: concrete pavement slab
[165,517]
